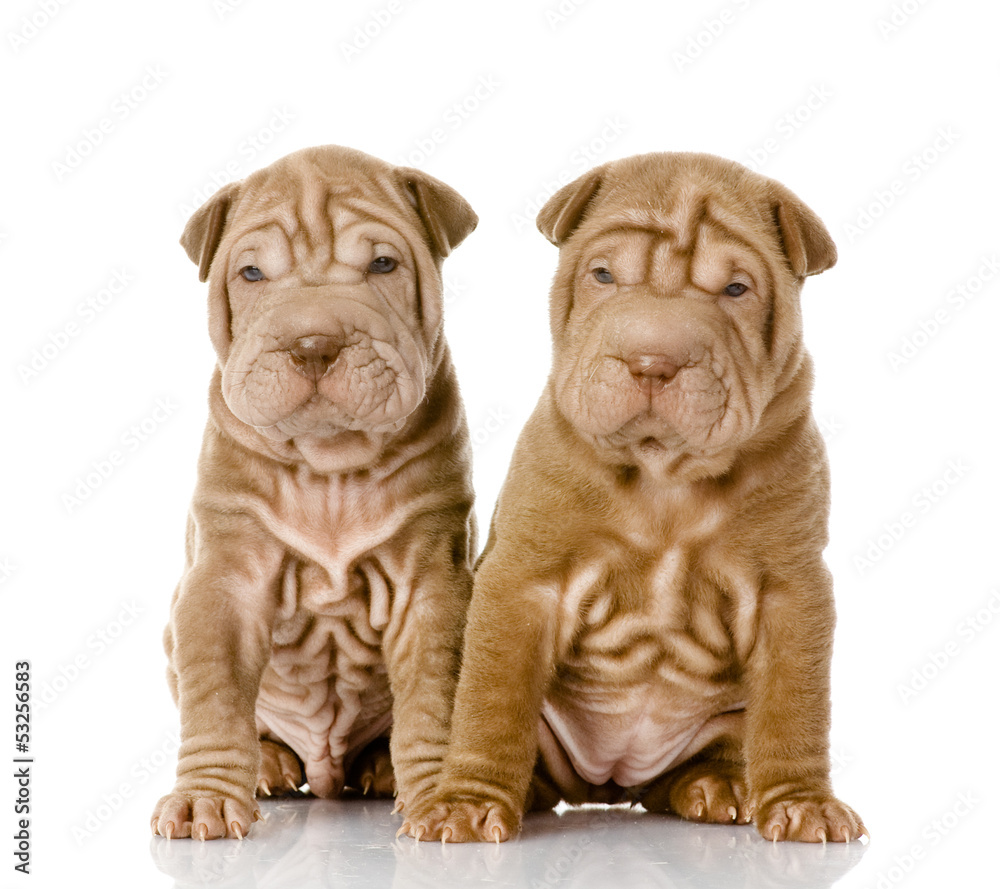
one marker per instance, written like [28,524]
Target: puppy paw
[280,771]
[713,798]
[462,821]
[203,816]
[816,820]
[371,772]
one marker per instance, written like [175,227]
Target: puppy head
[674,310]
[325,294]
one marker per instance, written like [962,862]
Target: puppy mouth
[653,401]
[324,385]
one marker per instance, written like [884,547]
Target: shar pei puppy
[331,536]
[652,619]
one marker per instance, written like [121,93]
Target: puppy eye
[604,276]
[736,289]
[381,265]
[251,273]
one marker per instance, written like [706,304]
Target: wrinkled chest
[634,615]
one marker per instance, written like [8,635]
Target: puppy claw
[236,829]
[367,785]
[168,830]
[264,788]
[497,834]
[733,814]
[396,809]
[404,829]
[419,832]
[699,811]
[202,832]
[446,835]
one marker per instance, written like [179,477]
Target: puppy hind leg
[711,787]
[371,771]
[280,772]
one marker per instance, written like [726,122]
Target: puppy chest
[325,691]
[330,527]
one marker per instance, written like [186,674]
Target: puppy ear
[807,243]
[446,215]
[564,211]
[204,230]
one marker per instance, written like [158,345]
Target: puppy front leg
[422,648]
[507,665]
[220,628]
[788,715]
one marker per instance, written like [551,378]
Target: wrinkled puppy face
[675,307]
[326,297]
[325,327]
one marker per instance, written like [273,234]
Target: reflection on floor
[307,843]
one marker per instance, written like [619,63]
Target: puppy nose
[651,368]
[312,355]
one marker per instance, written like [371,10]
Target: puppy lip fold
[341,380]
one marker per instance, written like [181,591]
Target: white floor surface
[318,843]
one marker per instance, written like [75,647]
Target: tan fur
[330,538]
[652,619]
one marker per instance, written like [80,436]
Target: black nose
[313,355]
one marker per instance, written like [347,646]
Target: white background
[216,90]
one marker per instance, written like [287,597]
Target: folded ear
[564,211]
[807,243]
[203,231]
[446,215]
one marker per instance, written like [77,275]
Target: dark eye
[251,273]
[382,264]
[604,276]
[736,289]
